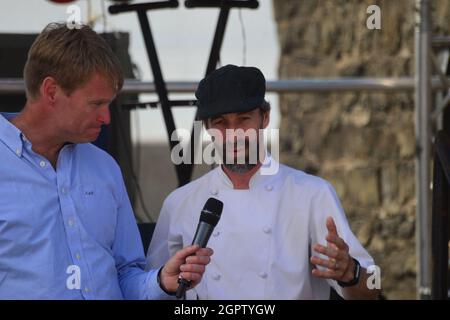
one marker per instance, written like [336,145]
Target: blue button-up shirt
[68,233]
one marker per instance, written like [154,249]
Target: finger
[331,226]
[181,255]
[329,251]
[326,274]
[337,241]
[194,268]
[205,252]
[202,256]
[326,263]
[198,260]
[191,276]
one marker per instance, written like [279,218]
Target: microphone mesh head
[211,211]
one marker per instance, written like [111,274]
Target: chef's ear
[265,114]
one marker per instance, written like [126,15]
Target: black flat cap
[230,89]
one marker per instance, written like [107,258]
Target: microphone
[209,217]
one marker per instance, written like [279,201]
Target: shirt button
[214,192]
[42,164]
[78,256]
[263,275]
[269,188]
[267,229]
[216,233]
[87,289]
[18,152]
[71,222]
[216,277]
[63,190]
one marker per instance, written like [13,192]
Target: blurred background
[365,140]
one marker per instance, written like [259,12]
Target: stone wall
[362,142]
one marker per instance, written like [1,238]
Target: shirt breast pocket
[98,212]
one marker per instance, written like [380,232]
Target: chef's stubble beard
[247,166]
[241,167]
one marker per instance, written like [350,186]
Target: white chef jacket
[263,241]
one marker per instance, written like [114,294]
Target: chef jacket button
[216,233]
[216,277]
[269,188]
[263,275]
[214,192]
[267,229]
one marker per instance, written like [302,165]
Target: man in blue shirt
[67,229]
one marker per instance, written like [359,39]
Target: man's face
[241,139]
[81,114]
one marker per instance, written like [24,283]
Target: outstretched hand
[339,265]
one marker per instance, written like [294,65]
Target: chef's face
[241,137]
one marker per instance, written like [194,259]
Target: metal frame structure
[349,84]
[427,118]
[423,84]
[183,170]
[422,111]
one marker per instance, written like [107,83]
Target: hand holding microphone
[209,217]
[186,267]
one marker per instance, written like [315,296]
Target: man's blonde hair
[71,57]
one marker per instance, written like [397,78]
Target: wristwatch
[356,275]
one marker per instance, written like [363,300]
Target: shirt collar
[255,180]
[10,135]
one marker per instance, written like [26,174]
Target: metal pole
[423,103]
[183,174]
[214,55]
[316,85]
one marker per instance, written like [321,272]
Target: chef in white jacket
[282,233]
